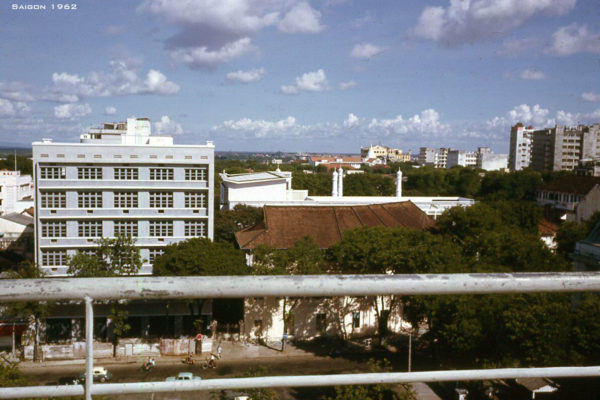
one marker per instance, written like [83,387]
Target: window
[52,258]
[195,174]
[128,174]
[195,200]
[89,199]
[52,173]
[161,228]
[195,228]
[54,228]
[153,253]
[161,199]
[356,319]
[126,228]
[89,173]
[90,228]
[161,174]
[126,200]
[54,200]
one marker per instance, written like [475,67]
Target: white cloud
[567,118]
[72,110]
[574,39]
[122,79]
[202,57]
[352,121]
[526,114]
[468,21]
[529,74]
[590,96]
[347,85]
[365,51]
[167,127]
[13,109]
[302,18]
[261,128]
[252,75]
[110,110]
[427,122]
[309,82]
[16,91]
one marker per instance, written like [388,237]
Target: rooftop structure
[119,180]
[576,197]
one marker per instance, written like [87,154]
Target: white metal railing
[90,289]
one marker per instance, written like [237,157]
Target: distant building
[119,180]
[385,153]
[441,158]
[16,192]
[462,158]
[16,232]
[562,148]
[521,139]
[488,161]
[576,197]
[427,156]
[353,162]
[588,167]
[274,188]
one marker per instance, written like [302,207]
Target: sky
[323,76]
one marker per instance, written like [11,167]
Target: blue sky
[295,75]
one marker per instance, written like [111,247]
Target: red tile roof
[285,225]
[547,227]
[571,184]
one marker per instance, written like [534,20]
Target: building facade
[461,157]
[16,192]
[385,152]
[521,141]
[562,148]
[119,180]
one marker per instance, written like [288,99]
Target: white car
[183,376]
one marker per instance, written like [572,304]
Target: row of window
[91,229]
[122,199]
[58,257]
[129,174]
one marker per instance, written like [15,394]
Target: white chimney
[399,183]
[340,182]
[334,186]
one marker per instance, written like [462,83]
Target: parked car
[100,375]
[183,376]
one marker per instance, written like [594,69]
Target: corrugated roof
[285,225]
[19,218]
[257,176]
[571,184]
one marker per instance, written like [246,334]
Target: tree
[112,258]
[34,310]
[228,222]
[200,257]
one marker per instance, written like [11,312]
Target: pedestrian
[219,351]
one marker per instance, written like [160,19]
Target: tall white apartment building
[521,145]
[119,180]
[462,158]
[16,192]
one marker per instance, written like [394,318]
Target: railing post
[89,347]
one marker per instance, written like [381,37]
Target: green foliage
[10,375]
[227,222]
[317,184]
[368,184]
[373,392]
[24,163]
[112,257]
[571,232]
[517,186]
[200,256]
[263,393]
[304,258]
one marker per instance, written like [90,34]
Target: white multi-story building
[462,158]
[119,180]
[16,192]
[521,141]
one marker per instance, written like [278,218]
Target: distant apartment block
[427,156]
[447,157]
[16,192]
[553,149]
[521,139]
[441,158]
[488,161]
[119,180]
[461,157]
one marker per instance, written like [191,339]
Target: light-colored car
[183,376]
[100,374]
